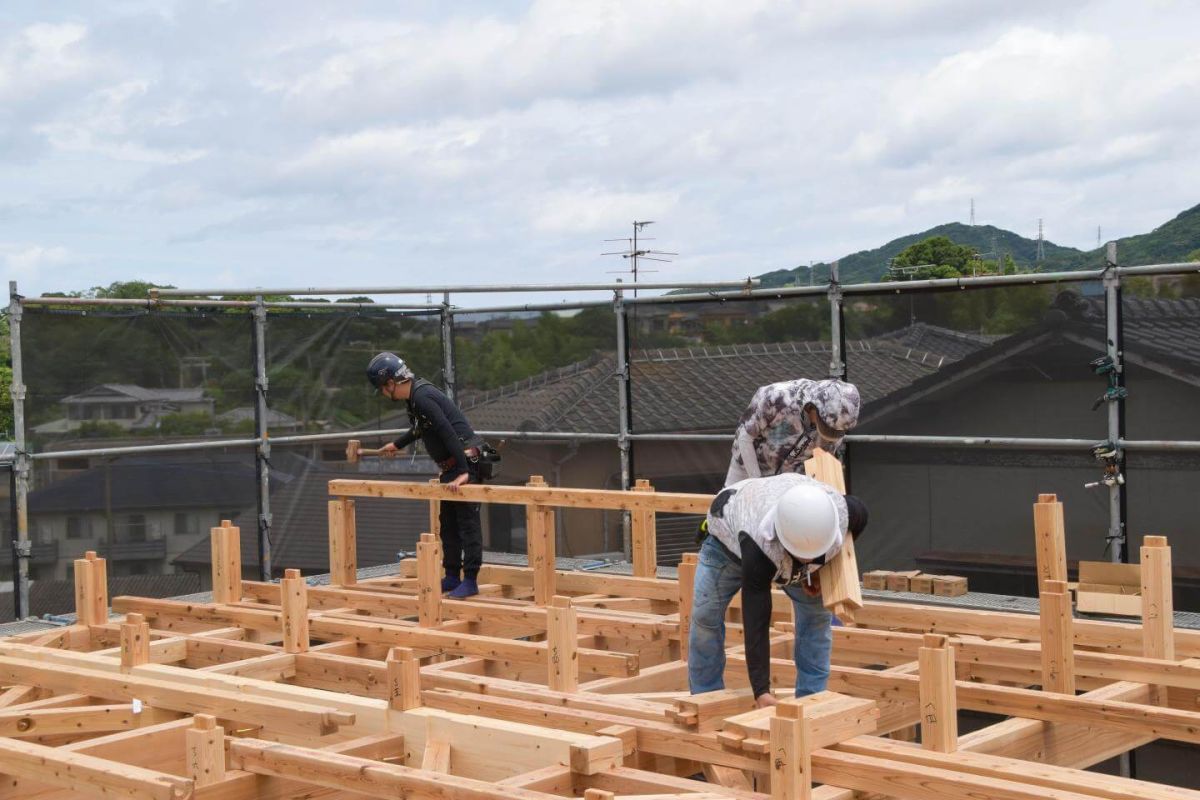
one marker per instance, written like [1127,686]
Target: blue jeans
[718,579]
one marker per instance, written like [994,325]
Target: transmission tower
[1041,249]
[1097,236]
[972,212]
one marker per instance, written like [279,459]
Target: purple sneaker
[467,588]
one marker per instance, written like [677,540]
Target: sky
[287,144]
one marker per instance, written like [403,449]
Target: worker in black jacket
[455,447]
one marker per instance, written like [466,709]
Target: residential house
[134,408]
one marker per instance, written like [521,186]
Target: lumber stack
[556,684]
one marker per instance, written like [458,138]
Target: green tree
[935,257]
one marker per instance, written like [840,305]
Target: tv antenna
[635,252]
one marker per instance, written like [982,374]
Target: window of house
[78,528]
[185,524]
[135,528]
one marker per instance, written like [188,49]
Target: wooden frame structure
[573,684]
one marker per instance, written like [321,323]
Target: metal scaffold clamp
[1109,454]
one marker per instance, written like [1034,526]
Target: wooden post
[598,794]
[1058,638]
[429,581]
[135,642]
[1158,604]
[1051,544]
[539,540]
[644,537]
[343,543]
[841,591]
[91,589]
[100,593]
[85,581]
[404,679]
[562,633]
[687,585]
[205,751]
[435,512]
[939,704]
[791,754]
[294,598]
[226,545]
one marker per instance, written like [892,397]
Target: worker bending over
[786,421]
[765,533]
[454,446]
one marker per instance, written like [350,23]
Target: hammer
[354,449]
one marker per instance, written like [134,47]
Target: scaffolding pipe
[448,377]
[22,547]
[262,453]
[466,289]
[624,416]
[151,304]
[531,307]
[145,448]
[1118,550]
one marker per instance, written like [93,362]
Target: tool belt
[472,454]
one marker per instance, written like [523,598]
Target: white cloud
[506,140]
[595,211]
[32,260]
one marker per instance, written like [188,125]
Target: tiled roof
[954,344]
[275,419]
[218,482]
[300,526]
[693,389]
[1166,328]
[137,393]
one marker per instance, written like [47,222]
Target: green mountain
[1173,241]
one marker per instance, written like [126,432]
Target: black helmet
[387,367]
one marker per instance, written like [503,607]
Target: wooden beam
[294,592]
[343,772]
[687,585]
[310,719]
[939,706]
[562,651]
[791,754]
[24,723]
[205,751]
[343,543]
[664,502]
[1057,645]
[429,580]
[1114,637]
[1049,539]
[226,546]
[404,679]
[644,537]
[87,774]
[1158,606]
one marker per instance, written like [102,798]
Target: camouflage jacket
[774,435]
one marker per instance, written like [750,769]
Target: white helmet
[806,521]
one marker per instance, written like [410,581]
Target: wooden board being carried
[841,592]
